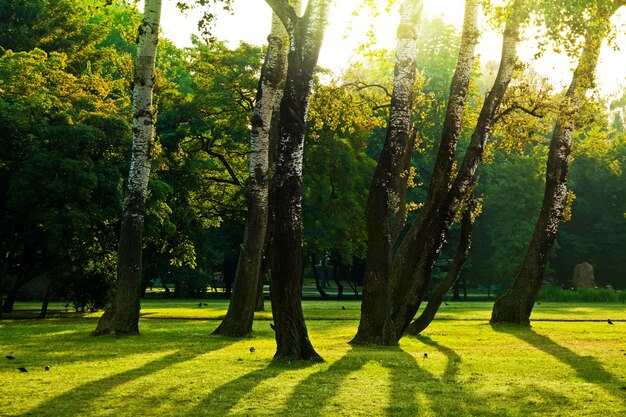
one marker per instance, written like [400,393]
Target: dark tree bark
[123,315]
[419,250]
[437,297]
[515,305]
[9,301]
[46,300]
[386,199]
[316,275]
[240,314]
[305,39]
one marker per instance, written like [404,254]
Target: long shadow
[586,367]
[454,360]
[80,399]
[225,397]
[407,379]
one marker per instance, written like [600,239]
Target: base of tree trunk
[109,324]
[105,324]
[509,309]
[230,328]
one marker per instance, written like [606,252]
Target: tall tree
[413,263]
[122,317]
[240,314]
[305,40]
[386,201]
[515,305]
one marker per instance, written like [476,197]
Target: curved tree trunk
[515,305]
[123,318]
[305,38]
[240,314]
[316,275]
[385,203]
[416,257]
[436,298]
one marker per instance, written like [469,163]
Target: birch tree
[515,305]
[386,203]
[413,263]
[305,40]
[240,315]
[122,317]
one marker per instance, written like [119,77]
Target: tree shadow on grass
[81,399]
[587,368]
[406,381]
[225,397]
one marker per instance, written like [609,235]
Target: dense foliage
[65,139]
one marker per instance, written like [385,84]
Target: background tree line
[65,133]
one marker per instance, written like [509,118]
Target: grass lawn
[461,366]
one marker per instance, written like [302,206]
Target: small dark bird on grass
[47,368]
[9,357]
[609,321]
[252,349]
[343,308]
[205,304]
[22,369]
[199,304]
[272,326]
[445,303]
[425,355]
[538,304]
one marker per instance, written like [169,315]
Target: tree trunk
[436,298]
[9,302]
[46,301]
[419,250]
[124,316]
[316,275]
[515,305]
[305,38]
[385,203]
[240,315]
[337,280]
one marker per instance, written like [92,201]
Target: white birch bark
[123,315]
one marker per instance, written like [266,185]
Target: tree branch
[533,112]
[285,12]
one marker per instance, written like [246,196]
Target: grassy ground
[461,366]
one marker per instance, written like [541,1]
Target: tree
[122,318]
[305,39]
[515,305]
[60,166]
[386,201]
[240,314]
[412,264]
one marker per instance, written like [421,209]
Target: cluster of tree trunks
[516,304]
[386,316]
[122,317]
[397,273]
[305,40]
[249,281]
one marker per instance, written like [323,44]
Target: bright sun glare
[250,22]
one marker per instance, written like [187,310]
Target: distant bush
[596,295]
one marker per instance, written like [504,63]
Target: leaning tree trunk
[413,264]
[434,302]
[515,305]
[122,318]
[305,39]
[385,203]
[240,314]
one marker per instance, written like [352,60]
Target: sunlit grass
[175,368]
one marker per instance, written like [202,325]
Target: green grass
[556,368]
